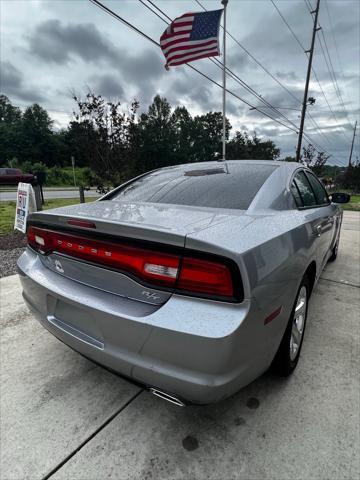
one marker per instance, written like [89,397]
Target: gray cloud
[54,42]
[12,84]
[80,46]
[144,72]
[107,85]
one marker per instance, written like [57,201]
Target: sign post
[25,204]
[73,167]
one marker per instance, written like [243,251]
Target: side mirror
[339,197]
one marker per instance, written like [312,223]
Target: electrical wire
[312,69]
[137,30]
[229,72]
[220,65]
[329,64]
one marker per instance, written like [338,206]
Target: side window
[306,192]
[319,190]
[296,194]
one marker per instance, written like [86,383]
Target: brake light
[184,274]
[81,223]
[205,276]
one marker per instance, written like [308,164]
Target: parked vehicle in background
[12,176]
[191,279]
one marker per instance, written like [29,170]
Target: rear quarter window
[305,190]
[234,186]
[320,192]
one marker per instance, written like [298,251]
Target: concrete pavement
[62,417]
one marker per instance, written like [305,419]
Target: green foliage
[350,179]
[111,145]
[242,147]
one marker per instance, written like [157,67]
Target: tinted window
[319,190]
[215,186]
[296,194]
[306,193]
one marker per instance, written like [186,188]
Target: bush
[60,176]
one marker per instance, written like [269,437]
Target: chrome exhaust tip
[167,397]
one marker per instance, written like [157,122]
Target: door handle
[319,230]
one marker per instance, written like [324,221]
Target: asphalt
[62,417]
[50,194]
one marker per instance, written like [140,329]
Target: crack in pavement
[90,437]
[340,283]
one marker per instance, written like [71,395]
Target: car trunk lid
[156,225]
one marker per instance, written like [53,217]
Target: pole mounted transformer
[306,91]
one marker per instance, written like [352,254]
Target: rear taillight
[186,274]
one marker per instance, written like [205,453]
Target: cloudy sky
[52,47]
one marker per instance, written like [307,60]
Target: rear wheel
[288,354]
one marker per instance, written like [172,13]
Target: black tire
[283,364]
[334,252]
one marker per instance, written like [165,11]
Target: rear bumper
[197,350]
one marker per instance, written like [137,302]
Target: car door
[319,215]
[331,213]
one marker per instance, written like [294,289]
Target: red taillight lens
[156,267]
[204,276]
[190,275]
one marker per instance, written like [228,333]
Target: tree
[156,136]
[107,131]
[314,159]
[10,121]
[207,136]
[36,137]
[242,146]
[80,139]
[183,125]
[350,179]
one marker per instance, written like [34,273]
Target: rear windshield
[215,186]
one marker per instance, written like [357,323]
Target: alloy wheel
[298,324]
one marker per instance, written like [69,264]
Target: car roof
[290,166]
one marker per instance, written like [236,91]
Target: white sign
[25,204]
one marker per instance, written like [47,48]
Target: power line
[304,50]
[333,36]
[220,65]
[137,30]
[232,75]
[330,68]
[239,80]
[313,70]
[256,60]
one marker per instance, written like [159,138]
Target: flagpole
[224,2]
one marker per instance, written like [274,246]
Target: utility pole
[311,52]
[352,143]
[224,2]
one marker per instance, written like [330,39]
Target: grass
[7,211]
[354,204]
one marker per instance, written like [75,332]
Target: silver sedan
[191,280]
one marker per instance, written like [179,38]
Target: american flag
[190,37]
